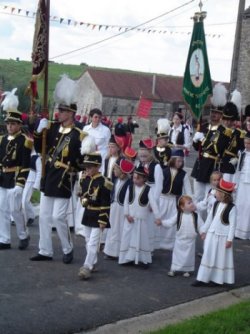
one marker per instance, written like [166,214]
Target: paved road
[39,298]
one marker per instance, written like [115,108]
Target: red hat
[125,166]
[147,144]
[24,117]
[120,120]
[77,117]
[226,187]
[130,152]
[116,140]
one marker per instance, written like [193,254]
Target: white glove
[199,136]
[43,124]
[233,161]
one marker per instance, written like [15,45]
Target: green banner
[197,85]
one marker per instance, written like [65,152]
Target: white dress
[116,218]
[167,207]
[242,204]
[135,242]
[217,263]
[183,256]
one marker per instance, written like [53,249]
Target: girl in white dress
[217,265]
[176,182]
[122,170]
[187,223]
[242,179]
[139,201]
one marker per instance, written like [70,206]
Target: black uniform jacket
[96,198]
[15,153]
[63,158]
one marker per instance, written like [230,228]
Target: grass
[18,74]
[233,320]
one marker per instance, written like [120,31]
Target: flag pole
[45,96]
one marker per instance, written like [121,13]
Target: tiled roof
[130,85]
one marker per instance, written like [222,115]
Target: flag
[39,52]
[197,85]
[144,108]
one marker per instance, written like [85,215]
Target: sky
[163,51]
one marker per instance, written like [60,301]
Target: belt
[10,169]
[206,155]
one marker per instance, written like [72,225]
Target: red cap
[77,117]
[130,152]
[226,187]
[126,166]
[120,120]
[24,117]
[147,143]
[116,140]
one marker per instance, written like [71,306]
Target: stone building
[242,65]
[117,93]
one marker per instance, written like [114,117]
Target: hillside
[18,73]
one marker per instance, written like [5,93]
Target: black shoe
[143,265]
[30,221]
[199,283]
[109,257]
[24,243]
[40,257]
[67,258]
[53,229]
[4,246]
[71,228]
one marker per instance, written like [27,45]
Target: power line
[123,32]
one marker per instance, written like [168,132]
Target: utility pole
[236,51]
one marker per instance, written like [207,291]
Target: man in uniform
[235,144]
[15,150]
[210,142]
[63,143]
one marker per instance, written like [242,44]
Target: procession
[126,187]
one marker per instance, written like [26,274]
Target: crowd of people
[129,202]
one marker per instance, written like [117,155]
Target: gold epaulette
[83,134]
[28,143]
[242,133]
[108,184]
[228,132]
[1,137]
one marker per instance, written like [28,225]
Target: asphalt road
[48,297]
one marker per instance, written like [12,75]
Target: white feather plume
[163,125]
[219,98]
[10,101]
[236,99]
[64,92]
[88,145]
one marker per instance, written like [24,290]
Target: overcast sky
[164,51]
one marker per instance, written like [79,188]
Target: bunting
[96,26]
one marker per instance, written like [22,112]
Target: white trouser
[92,239]
[53,211]
[11,205]
[27,206]
[79,228]
[200,190]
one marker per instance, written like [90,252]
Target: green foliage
[35,198]
[234,319]
[18,74]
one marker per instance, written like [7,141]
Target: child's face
[138,180]
[178,162]
[145,155]
[215,180]
[162,142]
[247,144]
[92,170]
[188,206]
[113,149]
